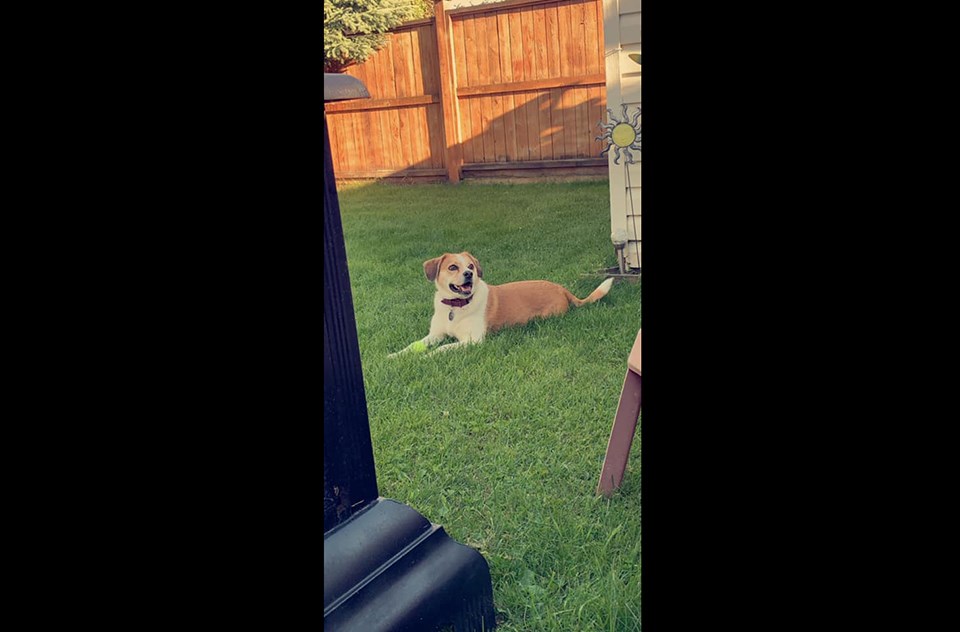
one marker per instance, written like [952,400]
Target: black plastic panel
[349,477]
[389,569]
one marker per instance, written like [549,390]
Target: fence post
[453,152]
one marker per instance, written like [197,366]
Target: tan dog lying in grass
[466,308]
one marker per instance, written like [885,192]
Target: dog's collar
[457,302]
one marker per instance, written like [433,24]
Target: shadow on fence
[376,143]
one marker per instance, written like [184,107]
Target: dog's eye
[453,268]
[470,266]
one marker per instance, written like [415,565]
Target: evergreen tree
[353,29]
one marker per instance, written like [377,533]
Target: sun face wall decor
[623,136]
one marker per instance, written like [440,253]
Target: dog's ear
[431,267]
[476,264]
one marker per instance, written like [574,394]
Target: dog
[466,308]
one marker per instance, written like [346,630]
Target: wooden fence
[510,89]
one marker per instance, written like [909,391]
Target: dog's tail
[595,295]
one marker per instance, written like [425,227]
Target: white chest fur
[468,322]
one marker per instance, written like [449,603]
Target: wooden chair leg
[621,436]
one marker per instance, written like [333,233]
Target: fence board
[565,39]
[533,25]
[546,124]
[395,140]
[492,51]
[403,68]
[424,76]
[435,127]
[406,87]
[506,75]
[580,95]
[552,21]
[416,62]
[518,57]
[460,58]
[479,56]
[532,140]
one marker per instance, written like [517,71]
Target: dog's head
[453,275]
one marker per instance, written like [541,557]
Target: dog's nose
[468,274]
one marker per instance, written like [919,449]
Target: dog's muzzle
[466,289]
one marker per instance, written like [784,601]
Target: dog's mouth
[464,289]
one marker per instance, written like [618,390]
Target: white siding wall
[622,29]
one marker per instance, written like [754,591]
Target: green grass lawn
[501,443]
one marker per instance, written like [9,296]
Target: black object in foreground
[389,568]
[385,567]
